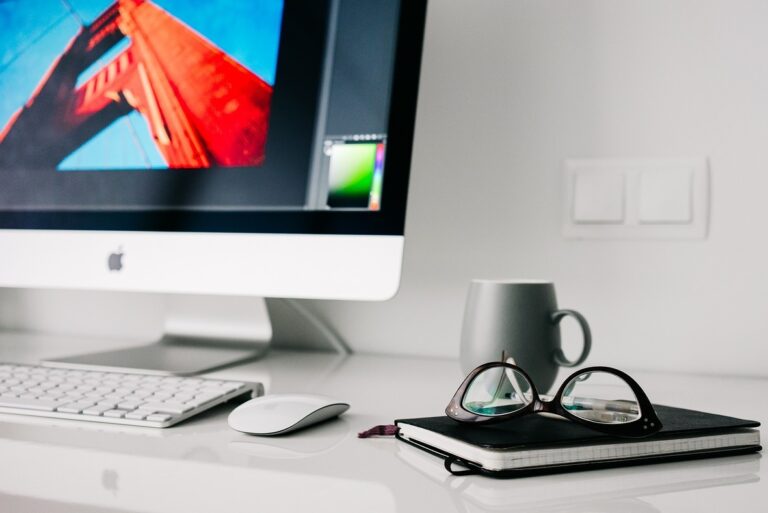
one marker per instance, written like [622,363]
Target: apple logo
[115,260]
[109,480]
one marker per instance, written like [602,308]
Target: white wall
[510,89]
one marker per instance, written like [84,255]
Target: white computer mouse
[278,414]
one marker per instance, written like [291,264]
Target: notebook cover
[539,431]
[536,431]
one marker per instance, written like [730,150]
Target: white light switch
[636,198]
[665,196]
[598,197]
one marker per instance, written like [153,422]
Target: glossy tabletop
[204,466]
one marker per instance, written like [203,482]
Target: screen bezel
[390,220]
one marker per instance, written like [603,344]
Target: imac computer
[223,149]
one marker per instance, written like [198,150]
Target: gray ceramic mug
[517,319]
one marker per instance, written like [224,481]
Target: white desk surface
[203,466]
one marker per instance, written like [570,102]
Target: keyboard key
[168,407]
[74,407]
[138,414]
[52,397]
[159,417]
[205,397]
[29,404]
[98,409]
[230,387]
[115,414]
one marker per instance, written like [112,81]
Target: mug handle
[559,355]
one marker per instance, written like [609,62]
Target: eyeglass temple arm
[510,374]
[616,406]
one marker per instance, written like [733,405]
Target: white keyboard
[112,397]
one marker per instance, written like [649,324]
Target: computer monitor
[229,148]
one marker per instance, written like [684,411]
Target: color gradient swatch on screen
[351,174]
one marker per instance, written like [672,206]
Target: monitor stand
[204,333]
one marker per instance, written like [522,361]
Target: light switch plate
[661,198]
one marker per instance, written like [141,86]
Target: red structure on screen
[202,107]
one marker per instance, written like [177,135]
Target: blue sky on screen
[33,35]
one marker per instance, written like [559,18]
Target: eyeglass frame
[646,424]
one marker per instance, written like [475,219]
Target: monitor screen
[261,116]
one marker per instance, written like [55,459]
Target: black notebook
[539,444]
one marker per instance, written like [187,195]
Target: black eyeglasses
[602,398]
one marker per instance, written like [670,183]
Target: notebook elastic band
[450,461]
[383,430]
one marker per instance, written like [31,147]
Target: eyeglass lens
[600,397]
[497,391]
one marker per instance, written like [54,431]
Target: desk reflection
[200,472]
[609,490]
